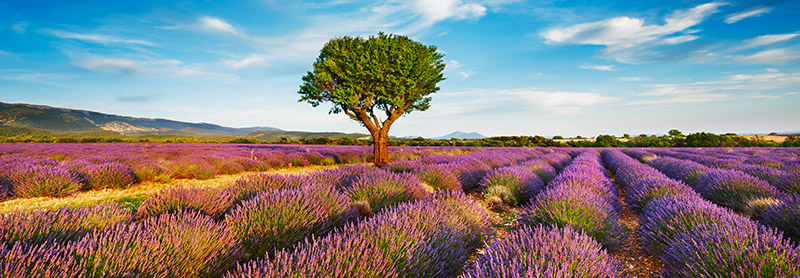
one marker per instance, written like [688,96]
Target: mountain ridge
[59,119]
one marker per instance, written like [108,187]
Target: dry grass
[137,194]
[775,138]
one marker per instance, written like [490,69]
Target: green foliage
[384,72]
[607,141]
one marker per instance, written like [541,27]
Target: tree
[675,133]
[607,141]
[374,81]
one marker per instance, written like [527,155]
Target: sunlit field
[224,210]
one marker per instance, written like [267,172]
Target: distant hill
[55,119]
[461,135]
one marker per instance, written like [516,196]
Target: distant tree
[578,137]
[773,133]
[365,78]
[558,137]
[626,136]
[676,133]
[607,141]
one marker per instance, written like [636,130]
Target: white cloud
[466,74]
[733,18]
[768,39]
[731,87]
[522,101]
[149,67]
[254,60]
[623,36]
[217,24]
[778,56]
[20,27]
[680,39]
[5,53]
[34,77]
[435,11]
[598,67]
[96,38]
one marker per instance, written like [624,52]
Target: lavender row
[738,191]
[767,167]
[432,237]
[694,237]
[561,230]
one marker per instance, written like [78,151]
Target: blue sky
[513,67]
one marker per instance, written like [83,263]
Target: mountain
[57,119]
[461,135]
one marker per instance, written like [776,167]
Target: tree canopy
[374,81]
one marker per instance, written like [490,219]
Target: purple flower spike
[545,252]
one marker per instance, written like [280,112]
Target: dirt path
[637,263]
[136,193]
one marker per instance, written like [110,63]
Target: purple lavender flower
[439,177]
[733,189]
[545,252]
[543,169]
[43,181]
[276,220]
[209,201]
[785,216]
[666,217]
[789,182]
[170,245]
[110,175]
[383,189]
[60,225]
[719,250]
[470,172]
[649,189]
[514,184]
[582,210]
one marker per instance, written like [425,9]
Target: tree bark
[380,140]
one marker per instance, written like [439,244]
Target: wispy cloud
[779,56]
[20,27]
[97,38]
[217,24]
[768,39]
[51,79]
[5,53]
[598,67]
[516,102]
[733,18]
[728,88]
[632,78]
[625,37]
[254,60]
[149,67]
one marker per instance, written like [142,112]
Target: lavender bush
[732,251]
[582,210]
[544,252]
[60,225]
[383,189]
[439,177]
[785,216]
[514,184]
[209,201]
[649,189]
[276,220]
[43,181]
[733,189]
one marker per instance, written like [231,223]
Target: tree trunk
[381,143]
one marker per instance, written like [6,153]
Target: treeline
[675,139]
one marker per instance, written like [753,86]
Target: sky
[512,67]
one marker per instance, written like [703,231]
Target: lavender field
[431,212]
